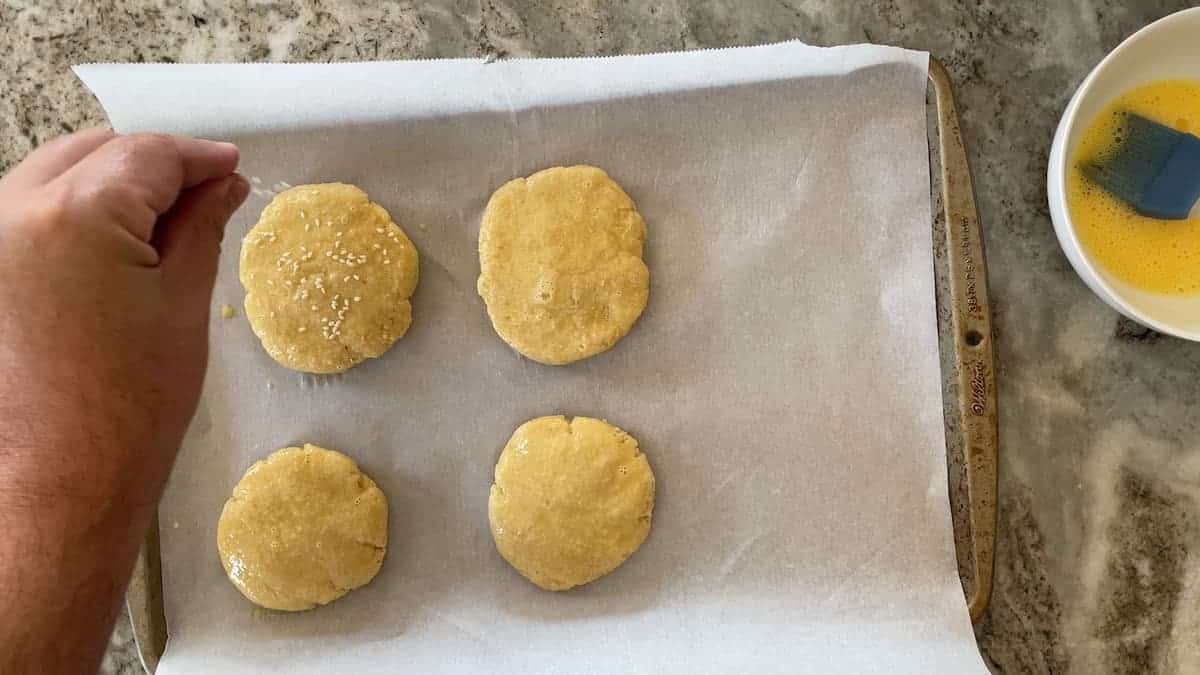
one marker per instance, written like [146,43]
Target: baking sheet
[783,381]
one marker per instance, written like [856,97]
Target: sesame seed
[357,298]
[301,329]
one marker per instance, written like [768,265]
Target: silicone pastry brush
[1153,168]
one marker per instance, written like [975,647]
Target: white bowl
[1167,48]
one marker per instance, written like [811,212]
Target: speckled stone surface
[1099,424]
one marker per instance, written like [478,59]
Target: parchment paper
[783,380]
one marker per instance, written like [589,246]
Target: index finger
[153,168]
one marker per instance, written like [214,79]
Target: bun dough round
[304,527]
[328,277]
[571,500]
[560,257]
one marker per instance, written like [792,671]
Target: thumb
[188,238]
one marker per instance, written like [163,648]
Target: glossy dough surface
[571,500]
[304,527]
[561,271]
[328,277]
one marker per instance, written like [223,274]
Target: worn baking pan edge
[968,366]
[969,388]
[144,601]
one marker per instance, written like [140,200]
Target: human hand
[108,253]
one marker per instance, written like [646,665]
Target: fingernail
[229,149]
[238,188]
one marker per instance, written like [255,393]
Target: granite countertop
[1100,470]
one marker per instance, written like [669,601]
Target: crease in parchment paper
[506,102]
[783,381]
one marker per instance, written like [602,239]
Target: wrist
[91,460]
